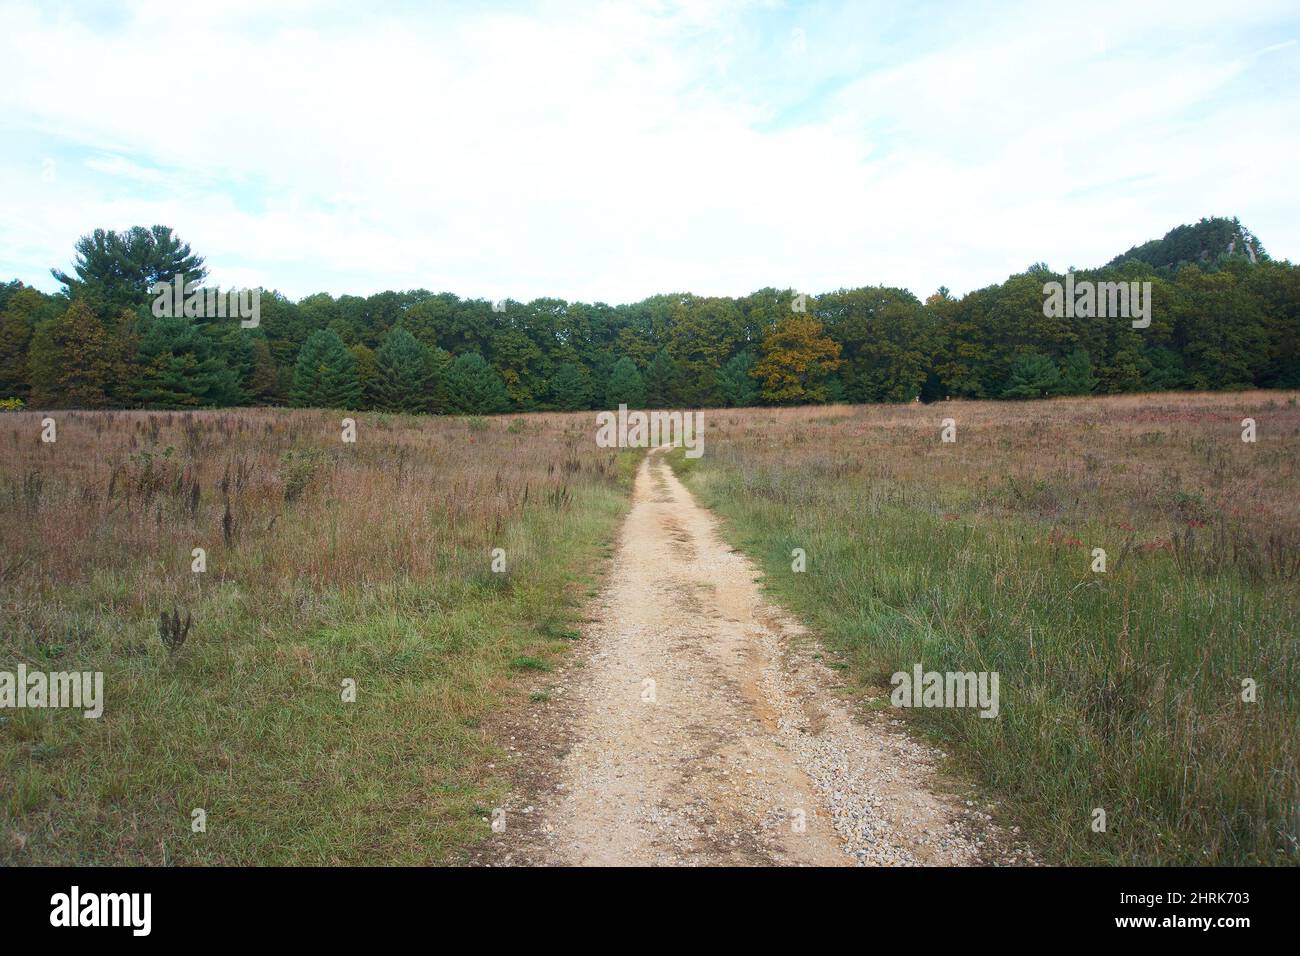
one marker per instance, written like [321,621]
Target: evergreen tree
[402,374]
[179,368]
[474,387]
[570,388]
[1076,374]
[233,347]
[1166,370]
[625,386]
[118,269]
[1033,376]
[661,382]
[737,381]
[438,363]
[326,374]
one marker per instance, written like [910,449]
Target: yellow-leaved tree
[797,358]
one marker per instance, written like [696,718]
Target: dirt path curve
[695,727]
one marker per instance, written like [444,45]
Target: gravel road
[696,725]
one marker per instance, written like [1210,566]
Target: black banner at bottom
[333,905]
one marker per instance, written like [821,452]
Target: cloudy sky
[612,151]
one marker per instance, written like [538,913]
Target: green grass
[247,720]
[1119,690]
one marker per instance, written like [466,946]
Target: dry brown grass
[141,489]
[1159,462]
[1120,690]
[325,561]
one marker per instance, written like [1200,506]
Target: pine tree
[474,387]
[438,363]
[1076,374]
[1033,376]
[737,382]
[119,269]
[326,374]
[402,374]
[570,388]
[625,386]
[179,368]
[662,382]
[232,347]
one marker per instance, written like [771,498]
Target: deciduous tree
[797,358]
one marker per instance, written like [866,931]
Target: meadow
[331,565]
[1121,690]
[325,563]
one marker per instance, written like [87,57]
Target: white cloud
[613,151]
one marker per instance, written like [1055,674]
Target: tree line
[1224,316]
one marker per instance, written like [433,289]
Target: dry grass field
[325,562]
[371,562]
[1120,690]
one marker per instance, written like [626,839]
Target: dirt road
[695,726]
